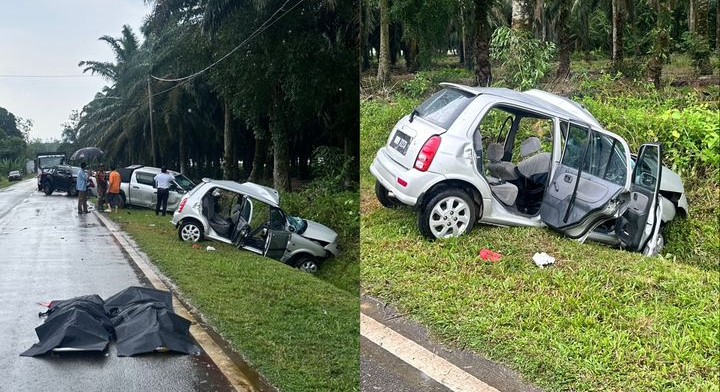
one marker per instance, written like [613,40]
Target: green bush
[525,59]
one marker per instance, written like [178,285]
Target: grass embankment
[300,332]
[599,319]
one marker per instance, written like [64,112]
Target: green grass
[299,331]
[600,319]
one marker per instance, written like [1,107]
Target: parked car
[137,187]
[62,178]
[15,176]
[249,216]
[509,158]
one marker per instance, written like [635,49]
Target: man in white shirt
[162,183]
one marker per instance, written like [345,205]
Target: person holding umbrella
[81,185]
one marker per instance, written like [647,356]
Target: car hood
[319,232]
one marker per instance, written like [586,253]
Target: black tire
[47,189]
[451,209]
[307,264]
[190,230]
[383,196]
[72,192]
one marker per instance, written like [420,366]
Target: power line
[264,26]
[46,76]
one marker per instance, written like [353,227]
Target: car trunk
[408,138]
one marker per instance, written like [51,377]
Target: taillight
[182,204]
[427,153]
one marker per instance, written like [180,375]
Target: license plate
[400,142]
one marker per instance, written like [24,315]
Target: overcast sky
[50,37]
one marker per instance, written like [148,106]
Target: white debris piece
[543,259]
[210,248]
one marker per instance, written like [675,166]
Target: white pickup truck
[137,187]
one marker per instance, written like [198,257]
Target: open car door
[276,244]
[639,226]
[585,187]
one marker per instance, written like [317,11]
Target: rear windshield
[444,107]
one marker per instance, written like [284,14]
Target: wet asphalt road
[48,252]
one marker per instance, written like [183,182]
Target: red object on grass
[488,255]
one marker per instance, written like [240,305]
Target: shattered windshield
[184,182]
[298,224]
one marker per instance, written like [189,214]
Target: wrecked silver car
[532,158]
[249,216]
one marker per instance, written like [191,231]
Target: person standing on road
[162,182]
[114,188]
[102,185]
[81,185]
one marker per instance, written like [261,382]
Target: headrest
[495,152]
[530,146]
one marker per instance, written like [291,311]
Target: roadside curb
[237,377]
[457,369]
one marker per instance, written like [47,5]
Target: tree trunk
[384,55]
[281,145]
[717,27]
[702,14]
[618,19]
[182,152]
[411,55]
[364,37]
[481,53]
[565,43]
[521,15]
[258,165]
[692,17]
[229,160]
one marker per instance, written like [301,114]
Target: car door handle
[136,187]
[568,178]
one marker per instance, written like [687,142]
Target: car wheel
[190,231]
[307,264]
[658,248]
[47,189]
[72,192]
[449,213]
[383,196]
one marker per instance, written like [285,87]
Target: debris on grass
[210,248]
[196,246]
[543,259]
[488,255]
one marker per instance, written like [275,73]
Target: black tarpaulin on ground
[77,324]
[141,319]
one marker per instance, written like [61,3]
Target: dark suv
[60,178]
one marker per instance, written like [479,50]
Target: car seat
[498,168]
[218,223]
[533,169]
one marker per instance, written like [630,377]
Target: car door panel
[276,244]
[571,207]
[637,225]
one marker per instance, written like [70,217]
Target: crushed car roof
[259,192]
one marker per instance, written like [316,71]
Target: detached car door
[639,226]
[587,186]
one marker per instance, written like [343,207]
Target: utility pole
[152,131]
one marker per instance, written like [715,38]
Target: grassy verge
[299,331]
[600,319]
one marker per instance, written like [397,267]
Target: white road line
[420,358]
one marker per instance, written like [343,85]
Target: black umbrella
[87,154]
[77,324]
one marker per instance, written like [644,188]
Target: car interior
[517,159]
[241,219]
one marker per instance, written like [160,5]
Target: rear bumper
[388,172]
